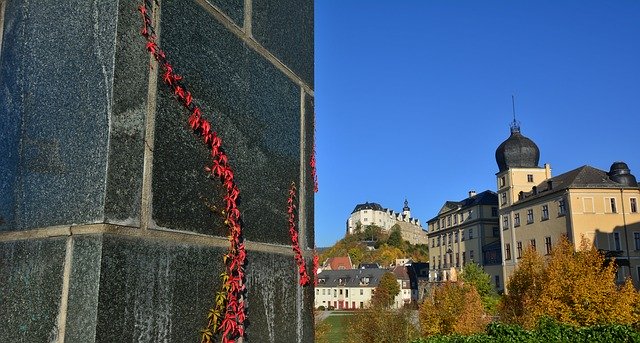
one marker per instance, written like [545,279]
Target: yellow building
[536,209]
[466,231]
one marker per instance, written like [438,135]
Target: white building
[374,214]
[353,288]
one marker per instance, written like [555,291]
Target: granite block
[127,121]
[234,9]
[155,291]
[60,96]
[82,305]
[252,106]
[285,28]
[279,309]
[309,191]
[30,289]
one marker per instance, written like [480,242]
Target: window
[462,235]
[461,217]
[449,221]
[616,241]
[438,224]
[346,293]
[323,291]
[497,278]
[505,221]
[362,290]
[366,219]
[335,293]
[516,219]
[562,210]
[471,257]
[464,258]
[469,214]
[450,238]
[494,211]
[470,233]
[634,205]
[439,262]
[340,291]
[519,249]
[457,259]
[529,177]
[547,245]
[636,239]
[455,219]
[503,198]
[545,212]
[529,216]
[496,231]
[502,181]
[533,244]
[433,266]
[610,203]
[507,251]
[433,242]
[456,237]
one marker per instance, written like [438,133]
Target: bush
[547,330]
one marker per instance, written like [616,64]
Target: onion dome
[620,173]
[517,151]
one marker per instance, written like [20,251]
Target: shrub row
[547,331]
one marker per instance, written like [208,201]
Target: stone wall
[105,229]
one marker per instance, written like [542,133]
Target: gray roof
[485,198]
[582,177]
[350,277]
[368,206]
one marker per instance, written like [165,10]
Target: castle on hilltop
[371,213]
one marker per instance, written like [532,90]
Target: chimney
[472,193]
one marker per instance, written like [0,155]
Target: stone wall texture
[105,229]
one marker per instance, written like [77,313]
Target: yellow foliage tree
[453,308]
[380,324]
[576,288]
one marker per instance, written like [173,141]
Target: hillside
[371,245]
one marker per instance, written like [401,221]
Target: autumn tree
[380,324]
[576,288]
[454,307]
[386,291]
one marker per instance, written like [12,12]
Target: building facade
[353,288]
[536,209]
[463,232]
[374,214]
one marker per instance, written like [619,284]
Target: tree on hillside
[474,275]
[576,288]
[386,291]
[452,308]
[395,237]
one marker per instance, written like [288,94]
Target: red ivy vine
[293,233]
[312,162]
[228,315]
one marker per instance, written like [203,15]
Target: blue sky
[413,97]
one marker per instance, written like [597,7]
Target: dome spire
[515,125]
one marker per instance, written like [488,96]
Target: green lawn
[338,331]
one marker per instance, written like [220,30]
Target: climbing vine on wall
[227,317]
[293,233]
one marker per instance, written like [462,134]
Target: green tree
[474,275]
[386,291]
[395,238]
